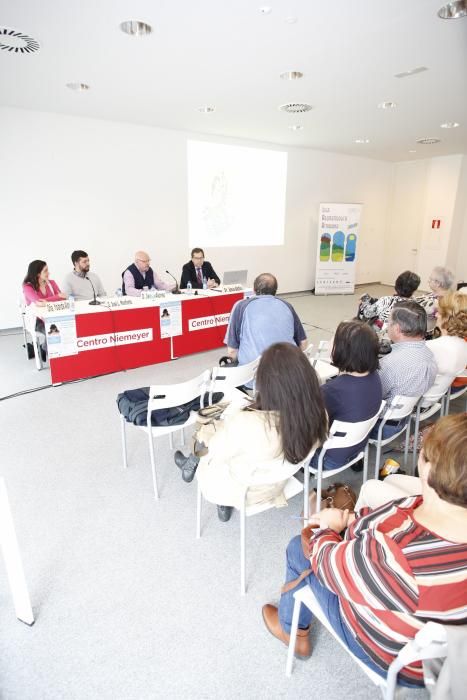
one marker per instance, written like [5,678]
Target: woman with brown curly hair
[450,349]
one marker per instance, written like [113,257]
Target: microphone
[176,290]
[94,302]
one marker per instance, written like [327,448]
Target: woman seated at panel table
[355,394]
[37,287]
[284,422]
[393,568]
[376,311]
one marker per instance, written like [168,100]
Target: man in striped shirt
[395,568]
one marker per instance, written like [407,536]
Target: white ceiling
[229,55]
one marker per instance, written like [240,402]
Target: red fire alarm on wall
[436,223]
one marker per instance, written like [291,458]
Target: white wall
[433,188]
[111,188]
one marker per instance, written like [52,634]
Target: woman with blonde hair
[450,349]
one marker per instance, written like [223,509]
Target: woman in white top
[450,349]
[269,437]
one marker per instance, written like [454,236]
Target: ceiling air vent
[17,42]
[295,108]
[428,140]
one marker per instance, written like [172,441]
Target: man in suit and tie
[195,270]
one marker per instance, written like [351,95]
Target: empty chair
[401,407]
[167,396]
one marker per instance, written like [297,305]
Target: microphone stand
[176,290]
[94,302]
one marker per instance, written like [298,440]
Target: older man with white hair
[140,275]
[440,281]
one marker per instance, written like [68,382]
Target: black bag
[133,405]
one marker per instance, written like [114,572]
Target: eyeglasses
[144,262]
[198,257]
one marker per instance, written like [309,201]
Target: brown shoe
[272,622]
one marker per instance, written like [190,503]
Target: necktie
[198,276]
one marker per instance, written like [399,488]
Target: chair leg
[306,491]
[293,638]
[377,459]
[319,487]
[242,550]
[153,464]
[365,461]
[122,423]
[171,441]
[415,441]
[183,435]
[198,513]
[407,440]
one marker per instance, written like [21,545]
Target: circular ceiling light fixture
[295,107]
[387,105]
[13,41]
[453,10]
[428,140]
[449,125]
[207,109]
[291,75]
[412,151]
[296,127]
[362,140]
[291,20]
[135,27]
[78,87]
[265,10]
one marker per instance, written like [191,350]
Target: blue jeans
[328,602]
[389,429]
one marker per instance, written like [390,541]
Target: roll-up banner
[338,232]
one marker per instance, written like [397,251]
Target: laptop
[235,277]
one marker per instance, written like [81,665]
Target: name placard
[229,288]
[55,306]
[152,294]
[118,301]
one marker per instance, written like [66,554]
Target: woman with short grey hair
[440,282]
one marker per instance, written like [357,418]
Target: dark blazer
[189,275]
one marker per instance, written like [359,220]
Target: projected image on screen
[236,195]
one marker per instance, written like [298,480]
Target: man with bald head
[140,275]
[260,321]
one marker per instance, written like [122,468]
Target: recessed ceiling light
[449,125]
[412,71]
[453,10]
[428,140]
[412,151]
[78,87]
[295,107]
[13,41]
[134,27]
[296,127]
[387,105]
[291,75]
[362,140]
[291,19]
[265,10]
[207,109]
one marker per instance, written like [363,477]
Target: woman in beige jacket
[268,438]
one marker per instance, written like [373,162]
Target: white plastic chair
[430,403]
[13,563]
[341,434]
[452,397]
[226,379]
[291,489]
[429,643]
[321,362]
[167,396]
[400,407]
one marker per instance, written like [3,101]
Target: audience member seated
[377,310]
[81,283]
[450,349]
[37,287]
[440,281]
[393,568]
[410,368]
[140,275]
[259,321]
[285,421]
[355,394]
[198,270]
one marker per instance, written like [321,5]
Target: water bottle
[118,292]
[205,283]
[189,286]
[71,301]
